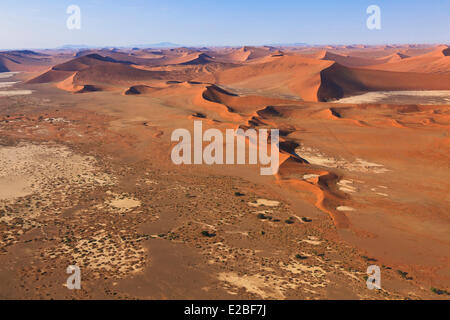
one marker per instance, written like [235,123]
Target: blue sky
[42,24]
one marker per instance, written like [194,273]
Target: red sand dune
[234,55]
[347,60]
[320,80]
[94,69]
[241,104]
[29,61]
[338,81]
[285,74]
[140,89]
[271,73]
[437,61]
[201,58]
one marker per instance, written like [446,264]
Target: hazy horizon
[177,45]
[29,25]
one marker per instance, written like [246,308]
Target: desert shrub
[261,216]
[404,275]
[439,291]
[207,234]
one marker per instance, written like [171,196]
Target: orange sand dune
[328,113]
[118,56]
[393,58]
[322,80]
[234,56]
[53,76]
[437,61]
[201,58]
[338,81]
[67,69]
[347,60]
[292,75]
[145,57]
[202,100]
[189,58]
[7,64]
[241,55]
[257,52]
[409,116]
[266,72]
[140,89]
[96,70]
[240,104]
[68,84]
[325,199]
[29,61]
[322,198]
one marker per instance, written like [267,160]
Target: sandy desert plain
[86,175]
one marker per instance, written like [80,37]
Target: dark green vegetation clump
[440,292]
[208,234]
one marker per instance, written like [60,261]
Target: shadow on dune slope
[338,81]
